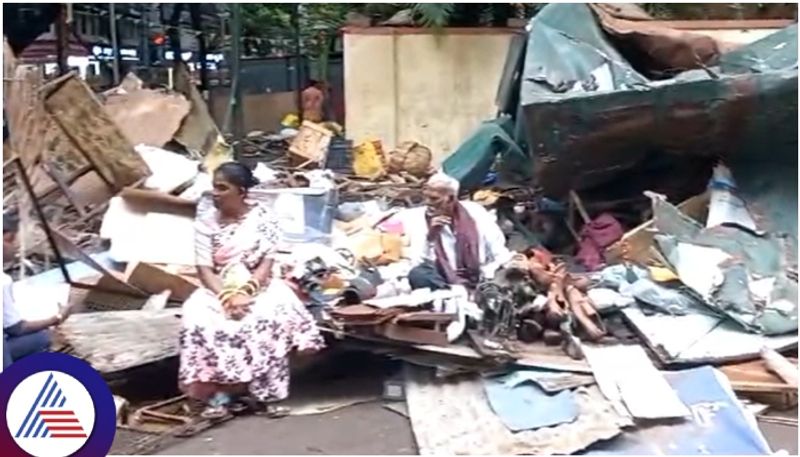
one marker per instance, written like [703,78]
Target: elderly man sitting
[452,242]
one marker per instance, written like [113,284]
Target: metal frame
[49,232]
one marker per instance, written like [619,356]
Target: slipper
[238,407]
[213,413]
[275,411]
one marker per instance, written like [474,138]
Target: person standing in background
[312,100]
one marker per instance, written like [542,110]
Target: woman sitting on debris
[239,329]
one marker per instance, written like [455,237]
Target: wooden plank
[630,381]
[64,187]
[755,376]
[310,144]
[411,334]
[154,280]
[151,200]
[82,118]
[114,341]
[539,355]
[27,120]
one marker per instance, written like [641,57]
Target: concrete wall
[412,84]
[261,111]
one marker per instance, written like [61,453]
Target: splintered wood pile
[113,341]
[401,189]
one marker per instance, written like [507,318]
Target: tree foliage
[268,28]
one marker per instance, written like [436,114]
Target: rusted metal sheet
[662,48]
[147,116]
[454,418]
[593,112]
[82,118]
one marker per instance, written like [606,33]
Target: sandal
[238,407]
[275,411]
[272,411]
[215,413]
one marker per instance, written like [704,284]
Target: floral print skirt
[221,354]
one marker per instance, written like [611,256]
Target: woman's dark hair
[237,174]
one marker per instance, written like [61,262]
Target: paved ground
[357,430]
[363,429]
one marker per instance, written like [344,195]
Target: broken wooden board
[630,381]
[154,280]
[412,334]
[84,120]
[147,116]
[539,355]
[455,418]
[158,202]
[94,295]
[198,132]
[30,127]
[638,245]
[310,145]
[114,341]
[755,377]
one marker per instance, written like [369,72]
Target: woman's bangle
[226,294]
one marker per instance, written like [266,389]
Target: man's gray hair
[441,180]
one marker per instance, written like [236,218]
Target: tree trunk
[197,24]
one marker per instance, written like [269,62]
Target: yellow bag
[368,160]
[291,121]
[378,248]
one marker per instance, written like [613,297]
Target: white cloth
[11,314]
[492,249]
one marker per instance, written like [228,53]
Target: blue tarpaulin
[522,405]
[717,426]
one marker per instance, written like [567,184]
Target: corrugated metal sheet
[455,418]
[700,338]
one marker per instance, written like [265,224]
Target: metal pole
[62,40]
[112,17]
[297,76]
[43,219]
[234,112]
